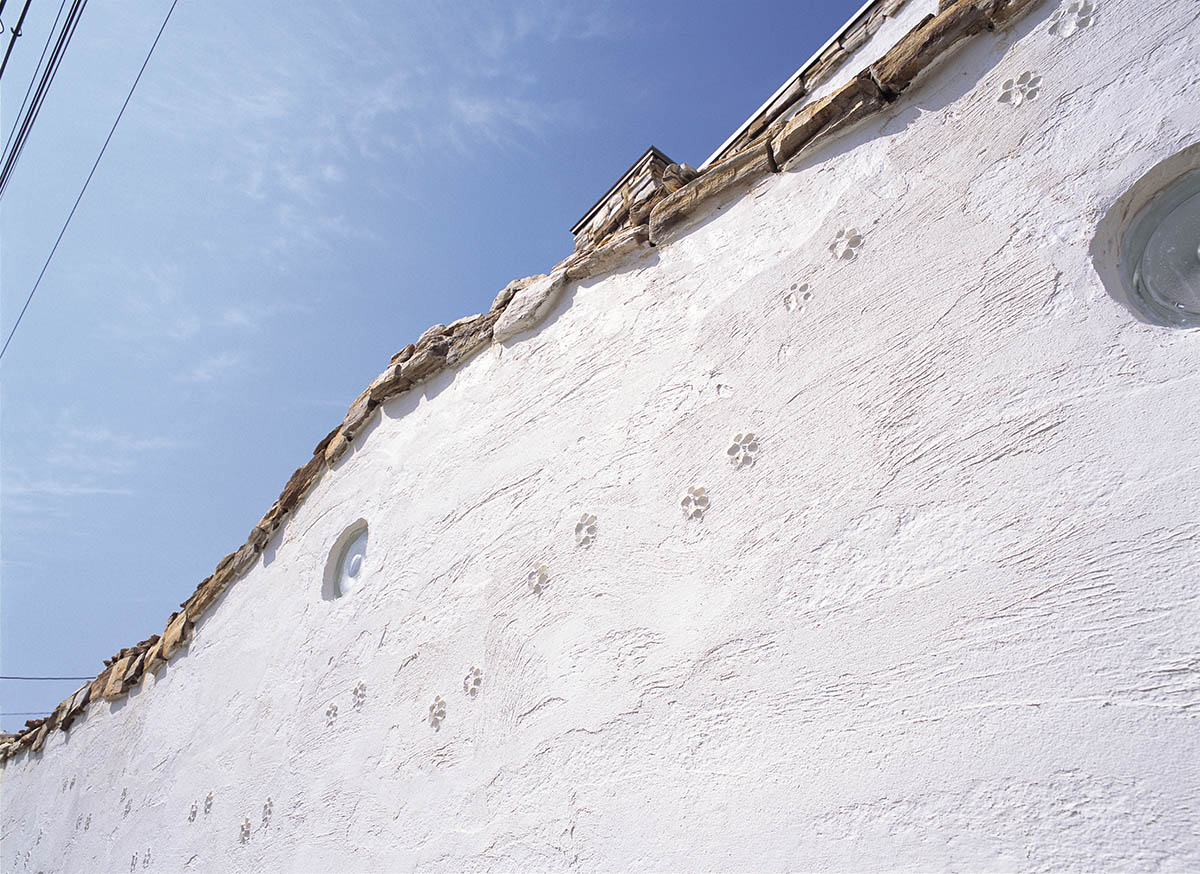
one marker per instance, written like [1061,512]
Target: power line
[33,78]
[28,713]
[15,34]
[24,124]
[47,678]
[107,139]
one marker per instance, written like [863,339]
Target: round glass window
[349,573]
[1162,255]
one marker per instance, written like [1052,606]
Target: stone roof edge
[523,304]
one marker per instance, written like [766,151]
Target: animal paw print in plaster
[146,858]
[585,530]
[194,812]
[78,822]
[245,833]
[128,807]
[1073,19]
[133,862]
[846,244]
[330,715]
[473,681]
[208,803]
[268,809]
[1024,87]
[87,823]
[797,297]
[437,713]
[539,578]
[695,502]
[360,695]
[743,451]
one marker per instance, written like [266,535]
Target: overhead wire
[16,147]
[87,181]
[16,33]
[48,678]
[21,109]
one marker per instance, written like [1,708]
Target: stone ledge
[748,165]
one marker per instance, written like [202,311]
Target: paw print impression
[1024,87]
[245,833]
[208,803]
[538,579]
[360,695]
[846,244]
[128,807]
[1073,19]
[695,502]
[87,823]
[330,715]
[585,530]
[146,858]
[473,681]
[797,298]
[268,809]
[437,713]
[133,862]
[743,451]
[194,812]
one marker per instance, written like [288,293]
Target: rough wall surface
[939,613]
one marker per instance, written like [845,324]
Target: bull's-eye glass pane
[1164,249]
[350,568]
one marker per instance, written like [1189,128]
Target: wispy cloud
[210,368]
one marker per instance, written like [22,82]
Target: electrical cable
[47,678]
[86,182]
[15,34]
[33,78]
[35,107]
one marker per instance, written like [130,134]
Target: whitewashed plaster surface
[945,620]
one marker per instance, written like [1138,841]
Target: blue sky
[296,191]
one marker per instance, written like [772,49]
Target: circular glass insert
[350,566]
[1162,252]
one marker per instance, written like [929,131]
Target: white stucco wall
[946,620]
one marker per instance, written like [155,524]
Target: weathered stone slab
[857,97]
[588,264]
[529,305]
[752,163]
[176,634]
[430,333]
[509,291]
[927,42]
[1005,12]
[116,678]
[336,449]
[358,414]
[426,361]
[468,336]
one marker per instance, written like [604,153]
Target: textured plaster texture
[939,613]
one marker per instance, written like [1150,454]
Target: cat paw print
[133,862]
[87,823]
[128,807]
[124,793]
[330,715]
[1024,87]
[146,858]
[473,681]
[268,809]
[694,503]
[797,298]
[194,812]
[360,695]
[437,713]
[245,833]
[585,530]
[743,451]
[846,244]
[79,822]
[208,803]
[1073,19]
[538,579]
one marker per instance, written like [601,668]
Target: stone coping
[524,303]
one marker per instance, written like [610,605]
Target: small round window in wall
[1161,255]
[347,568]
